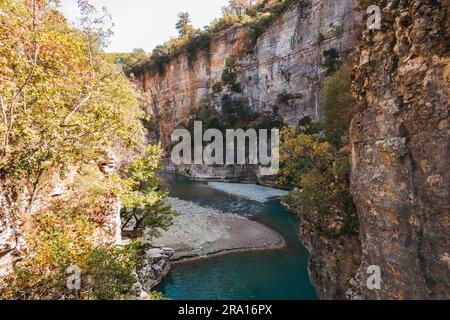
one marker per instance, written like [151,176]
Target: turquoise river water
[260,275]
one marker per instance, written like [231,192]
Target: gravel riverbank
[202,231]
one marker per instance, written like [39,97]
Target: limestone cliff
[287,58]
[399,137]
[332,262]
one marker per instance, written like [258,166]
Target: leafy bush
[109,272]
[63,235]
[320,38]
[129,61]
[285,97]
[154,295]
[197,43]
[142,199]
[229,75]
[299,151]
[325,196]
[331,61]
[337,105]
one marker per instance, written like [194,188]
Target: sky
[147,23]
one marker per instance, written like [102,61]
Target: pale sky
[147,23]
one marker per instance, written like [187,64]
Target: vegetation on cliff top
[254,16]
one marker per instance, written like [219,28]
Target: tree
[338,104]
[184,25]
[143,205]
[63,106]
[130,61]
[229,74]
[61,102]
[240,7]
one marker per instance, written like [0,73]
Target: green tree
[239,7]
[184,25]
[338,104]
[229,75]
[63,106]
[61,101]
[142,198]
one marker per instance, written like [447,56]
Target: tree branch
[76,108]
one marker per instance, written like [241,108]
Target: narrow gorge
[398,138]
[347,199]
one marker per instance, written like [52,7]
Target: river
[259,275]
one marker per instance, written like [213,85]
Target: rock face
[401,159]
[332,262]
[155,264]
[287,58]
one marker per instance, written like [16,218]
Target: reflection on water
[278,274]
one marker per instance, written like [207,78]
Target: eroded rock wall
[401,159]
[332,262]
[286,58]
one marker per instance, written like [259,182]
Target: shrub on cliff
[301,149]
[229,74]
[63,235]
[338,105]
[331,61]
[324,197]
[321,178]
[199,41]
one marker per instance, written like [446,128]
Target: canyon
[398,146]
[398,138]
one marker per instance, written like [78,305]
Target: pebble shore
[201,231]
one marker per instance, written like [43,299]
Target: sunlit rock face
[399,136]
[287,58]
